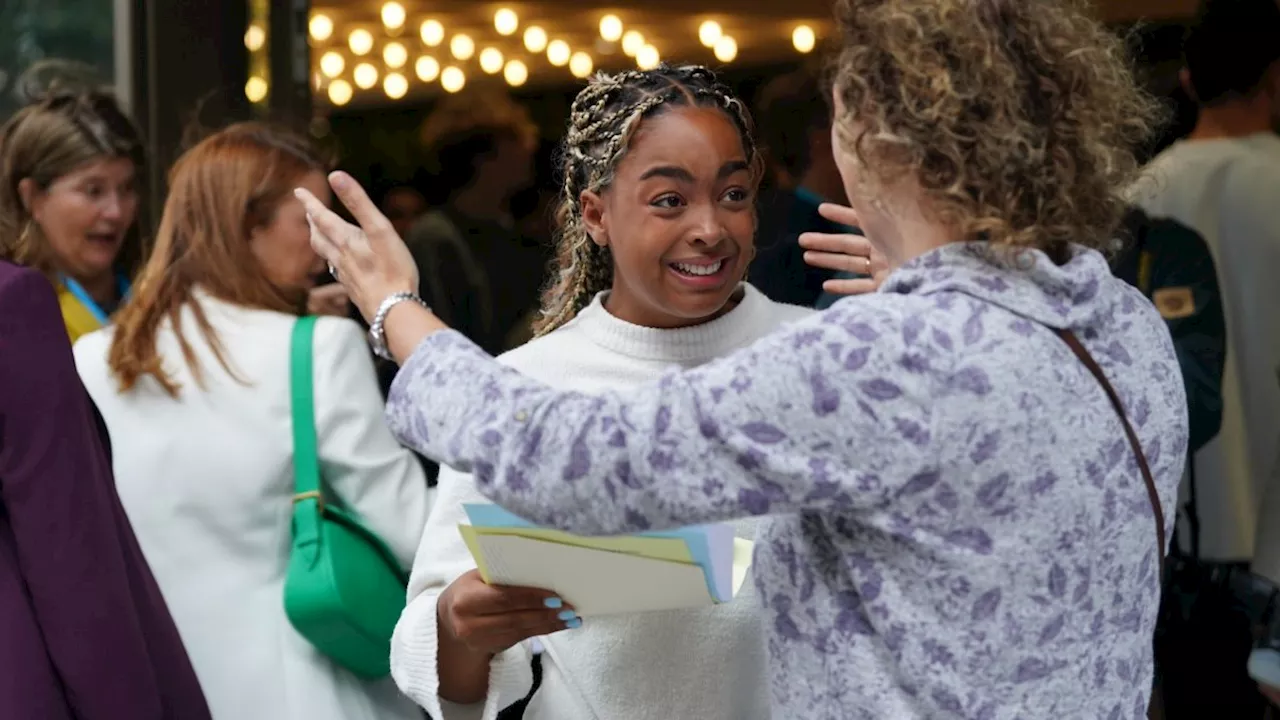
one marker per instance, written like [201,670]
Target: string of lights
[387,57]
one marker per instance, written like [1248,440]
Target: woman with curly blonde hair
[965,473]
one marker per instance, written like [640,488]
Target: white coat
[207,482]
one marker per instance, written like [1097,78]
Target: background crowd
[146,396]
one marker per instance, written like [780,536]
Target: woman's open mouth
[698,270]
[103,238]
[708,273]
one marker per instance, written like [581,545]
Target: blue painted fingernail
[574,624]
[553,603]
[567,615]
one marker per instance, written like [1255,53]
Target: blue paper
[493,516]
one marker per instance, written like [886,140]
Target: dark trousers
[1210,616]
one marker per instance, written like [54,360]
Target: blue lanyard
[76,289]
[808,195]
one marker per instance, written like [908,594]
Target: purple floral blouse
[958,525]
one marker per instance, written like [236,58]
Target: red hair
[219,191]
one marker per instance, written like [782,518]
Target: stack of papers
[691,567]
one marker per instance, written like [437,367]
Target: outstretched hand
[844,252]
[370,260]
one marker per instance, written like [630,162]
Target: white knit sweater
[702,664]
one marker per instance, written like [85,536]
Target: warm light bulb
[515,73]
[535,39]
[365,75]
[340,92]
[647,58]
[394,55]
[255,89]
[321,27]
[462,46]
[426,68]
[803,38]
[610,28]
[332,64]
[360,42]
[580,64]
[632,42]
[452,79]
[709,32]
[505,21]
[558,53]
[393,15]
[395,86]
[491,60]
[432,33]
[254,38]
[726,49]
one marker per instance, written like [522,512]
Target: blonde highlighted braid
[602,121]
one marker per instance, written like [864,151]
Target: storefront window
[34,30]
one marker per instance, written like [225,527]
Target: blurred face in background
[511,164]
[403,206]
[283,244]
[85,215]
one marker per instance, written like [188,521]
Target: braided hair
[603,119]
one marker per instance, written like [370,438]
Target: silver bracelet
[377,328]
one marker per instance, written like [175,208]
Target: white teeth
[698,269]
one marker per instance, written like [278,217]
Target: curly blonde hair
[1017,118]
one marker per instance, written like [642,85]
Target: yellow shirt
[78,318]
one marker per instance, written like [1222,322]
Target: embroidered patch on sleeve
[1174,302]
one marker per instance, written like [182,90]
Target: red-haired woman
[193,382]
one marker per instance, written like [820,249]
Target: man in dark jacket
[795,126]
[1202,615]
[1171,264]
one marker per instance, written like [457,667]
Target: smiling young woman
[657,220]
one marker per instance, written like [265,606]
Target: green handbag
[344,589]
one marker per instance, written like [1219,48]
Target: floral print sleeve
[764,431]
[959,524]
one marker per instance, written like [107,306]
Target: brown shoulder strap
[1076,347]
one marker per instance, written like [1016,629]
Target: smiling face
[85,215]
[678,218]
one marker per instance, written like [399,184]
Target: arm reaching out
[742,436]
[763,431]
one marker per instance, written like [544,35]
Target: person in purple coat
[84,631]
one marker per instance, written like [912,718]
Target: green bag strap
[309,508]
[308,502]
